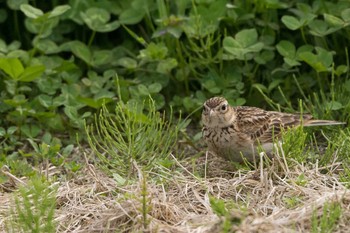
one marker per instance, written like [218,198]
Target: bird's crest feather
[214,102]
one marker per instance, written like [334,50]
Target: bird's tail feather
[323,122]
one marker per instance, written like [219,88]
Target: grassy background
[62,62]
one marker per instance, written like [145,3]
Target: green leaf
[11,86]
[155,88]
[81,50]
[15,4]
[333,20]
[55,122]
[321,61]
[11,130]
[309,58]
[30,11]
[46,46]
[12,66]
[131,16]
[31,131]
[286,49]
[345,14]
[67,150]
[342,69]
[109,27]
[314,61]
[143,90]
[127,62]
[304,48]
[14,45]
[266,56]
[291,62]
[71,112]
[321,28]
[247,37]
[154,52]
[236,49]
[31,73]
[49,85]
[97,20]
[34,145]
[101,57]
[59,10]
[325,56]
[16,101]
[45,100]
[291,22]
[244,43]
[2,132]
[334,105]
[211,13]
[93,102]
[165,66]
[3,46]
[88,101]
[88,114]
[239,101]
[230,42]
[94,17]
[255,47]
[212,86]
[163,13]
[188,103]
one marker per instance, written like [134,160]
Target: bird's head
[217,113]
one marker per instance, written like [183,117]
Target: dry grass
[93,202]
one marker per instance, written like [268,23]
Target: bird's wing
[264,126]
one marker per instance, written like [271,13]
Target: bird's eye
[223,107]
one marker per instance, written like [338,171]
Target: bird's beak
[211,112]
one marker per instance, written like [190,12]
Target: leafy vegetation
[327,221]
[34,207]
[122,71]
[129,138]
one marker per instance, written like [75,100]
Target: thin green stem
[347,62]
[319,82]
[284,98]
[332,84]
[15,19]
[299,88]
[182,63]
[92,37]
[303,35]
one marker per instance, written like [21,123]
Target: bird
[235,133]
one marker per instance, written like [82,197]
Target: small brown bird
[231,132]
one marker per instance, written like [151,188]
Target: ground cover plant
[100,127]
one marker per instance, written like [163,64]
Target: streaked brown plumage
[231,132]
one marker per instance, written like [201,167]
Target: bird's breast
[228,143]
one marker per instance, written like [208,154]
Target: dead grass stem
[94,202]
